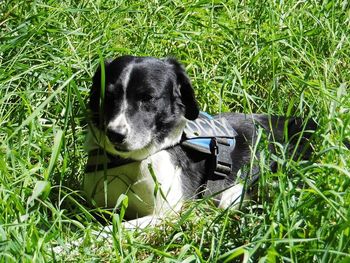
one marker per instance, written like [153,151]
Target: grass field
[276,57]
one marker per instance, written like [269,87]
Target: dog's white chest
[152,185]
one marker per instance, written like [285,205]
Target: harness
[212,137]
[215,139]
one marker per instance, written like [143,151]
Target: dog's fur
[146,105]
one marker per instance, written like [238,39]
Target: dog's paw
[141,223]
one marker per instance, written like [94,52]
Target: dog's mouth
[127,152]
[125,148]
[121,148]
[119,144]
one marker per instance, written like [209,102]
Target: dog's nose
[116,136]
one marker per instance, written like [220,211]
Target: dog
[140,109]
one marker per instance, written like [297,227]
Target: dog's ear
[186,90]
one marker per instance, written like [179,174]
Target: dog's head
[140,104]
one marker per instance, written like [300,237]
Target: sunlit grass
[287,58]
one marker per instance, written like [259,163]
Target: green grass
[288,58]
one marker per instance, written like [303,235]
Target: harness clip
[221,149]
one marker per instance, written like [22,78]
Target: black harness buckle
[221,150]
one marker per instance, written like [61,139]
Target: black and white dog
[140,108]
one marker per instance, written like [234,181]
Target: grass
[288,58]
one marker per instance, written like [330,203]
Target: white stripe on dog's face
[125,76]
[119,123]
